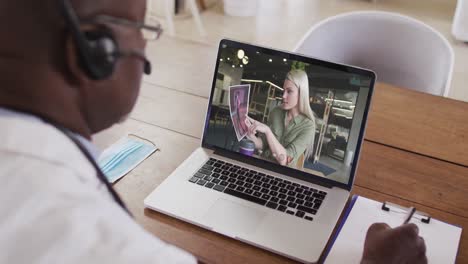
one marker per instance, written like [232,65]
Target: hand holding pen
[410,214]
[394,245]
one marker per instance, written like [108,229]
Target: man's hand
[398,245]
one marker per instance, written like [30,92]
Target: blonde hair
[300,79]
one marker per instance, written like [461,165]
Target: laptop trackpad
[232,218]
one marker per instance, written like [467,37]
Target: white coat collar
[90,147]
[40,140]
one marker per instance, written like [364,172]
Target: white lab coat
[53,208]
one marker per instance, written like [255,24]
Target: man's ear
[73,64]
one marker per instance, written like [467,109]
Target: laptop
[276,165]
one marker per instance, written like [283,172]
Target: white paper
[442,240]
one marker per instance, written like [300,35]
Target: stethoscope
[99,174]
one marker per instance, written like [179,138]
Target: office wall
[232,76]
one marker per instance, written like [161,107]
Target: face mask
[123,156]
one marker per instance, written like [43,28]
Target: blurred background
[191,37]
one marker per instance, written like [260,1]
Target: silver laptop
[279,151]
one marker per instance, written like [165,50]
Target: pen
[410,214]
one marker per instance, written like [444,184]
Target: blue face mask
[123,156]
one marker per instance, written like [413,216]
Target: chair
[460,21]
[300,161]
[401,50]
[195,13]
[169,7]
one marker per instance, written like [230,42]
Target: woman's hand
[255,126]
[251,133]
[278,151]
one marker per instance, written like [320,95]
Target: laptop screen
[288,110]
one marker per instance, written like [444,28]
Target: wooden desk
[422,123]
[415,153]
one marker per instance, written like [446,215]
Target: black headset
[97,50]
[98,53]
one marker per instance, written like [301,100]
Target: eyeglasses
[150,29]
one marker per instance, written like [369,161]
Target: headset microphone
[147,68]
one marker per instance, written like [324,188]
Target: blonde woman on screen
[291,126]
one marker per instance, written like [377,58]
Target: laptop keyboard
[272,192]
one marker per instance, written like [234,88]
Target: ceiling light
[229,58]
[220,59]
[270,60]
[233,66]
[250,80]
[285,60]
[240,54]
[341,109]
[245,60]
[338,101]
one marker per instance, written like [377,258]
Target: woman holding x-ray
[291,126]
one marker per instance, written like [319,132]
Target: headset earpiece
[96,49]
[102,49]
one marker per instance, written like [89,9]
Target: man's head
[60,85]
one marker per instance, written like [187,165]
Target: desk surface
[422,123]
[415,153]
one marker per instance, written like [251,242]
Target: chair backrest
[300,161]
[401,50]
[460,21]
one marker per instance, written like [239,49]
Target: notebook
[441,239]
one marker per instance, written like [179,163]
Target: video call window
[304,116]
